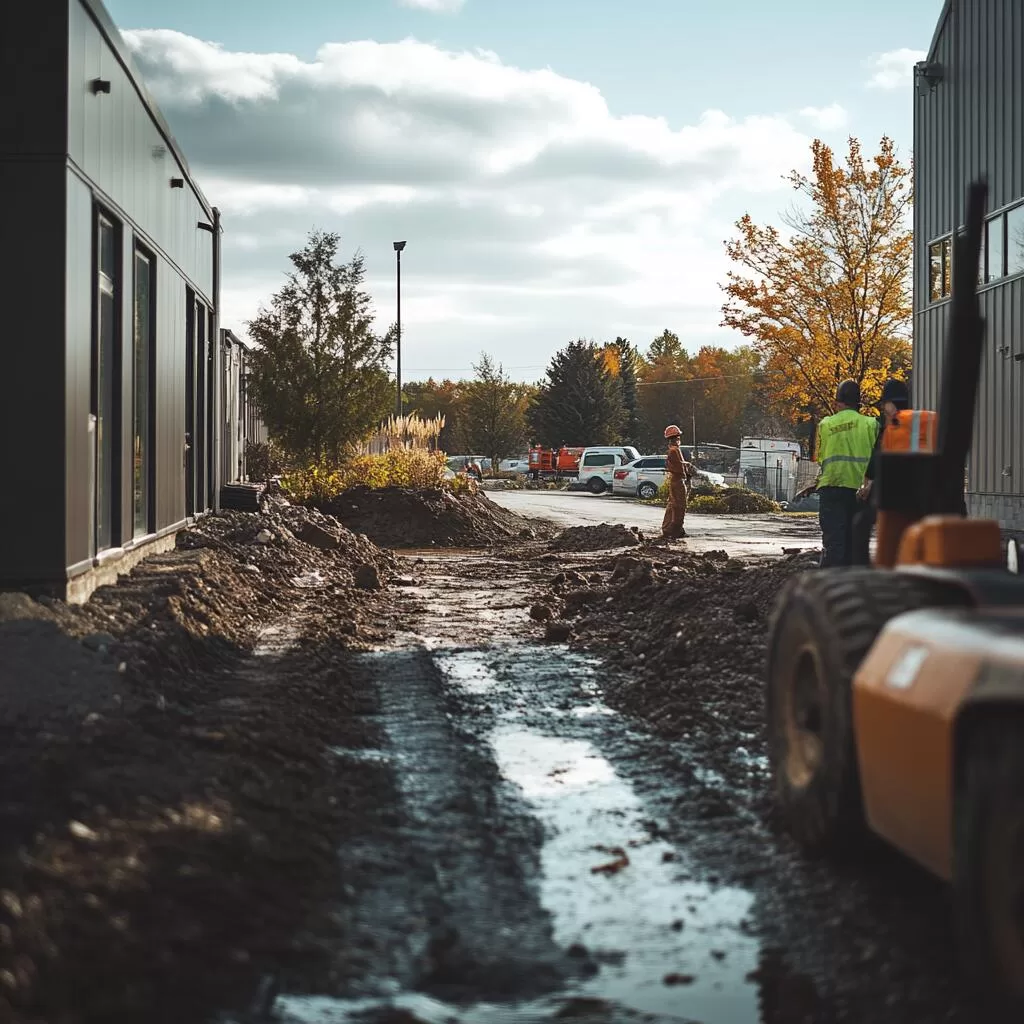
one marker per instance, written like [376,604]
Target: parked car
[597,465]
[643,477]
[514,466]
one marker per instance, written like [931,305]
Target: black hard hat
[848,393]
[897,392]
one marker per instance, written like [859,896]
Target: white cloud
[437,6]
[826,119]
[894,69]
[534,213]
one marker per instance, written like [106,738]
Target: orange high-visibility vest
[914,430]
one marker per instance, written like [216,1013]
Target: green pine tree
[319,371]
[580,401]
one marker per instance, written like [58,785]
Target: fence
[776,479]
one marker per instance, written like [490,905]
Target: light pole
[399,246]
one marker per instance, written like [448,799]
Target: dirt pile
[597,538]
[690,631]
[398,517]
[168,818]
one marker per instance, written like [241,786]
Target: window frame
[141,252]
[105,537]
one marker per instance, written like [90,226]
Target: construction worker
[902,429]
[846,441]
[678,472]
[895,399]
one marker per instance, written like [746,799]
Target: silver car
[642,477]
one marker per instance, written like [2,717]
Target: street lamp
[399,246]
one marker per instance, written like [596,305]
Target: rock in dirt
[400,517]
[366,577]
[319,536]
[597,538]
[540,612]
[558,632]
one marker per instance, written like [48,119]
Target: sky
[558,168]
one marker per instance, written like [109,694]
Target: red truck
[557,463]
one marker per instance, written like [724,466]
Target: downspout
[218,368]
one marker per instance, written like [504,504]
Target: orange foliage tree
[833,300]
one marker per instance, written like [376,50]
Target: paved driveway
[740,535]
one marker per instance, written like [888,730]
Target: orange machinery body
[549,460]
[927,671]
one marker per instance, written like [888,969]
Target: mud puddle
[529,878]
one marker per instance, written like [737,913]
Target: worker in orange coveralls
[679,472]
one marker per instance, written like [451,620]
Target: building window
[142,398]
[939,269]
[105,388]
[994,248]
[1015,240]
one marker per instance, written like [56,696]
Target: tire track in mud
[495,896]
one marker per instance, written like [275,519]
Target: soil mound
[166,810]
[399,517]
[691,631]
[597,538]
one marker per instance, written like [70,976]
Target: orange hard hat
[672,431]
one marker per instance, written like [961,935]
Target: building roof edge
[116,41]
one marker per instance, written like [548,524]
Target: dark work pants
[836,511]
[863,524]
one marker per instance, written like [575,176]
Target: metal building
[968,121]
[111,409]
[242,421]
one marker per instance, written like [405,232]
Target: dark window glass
[142,344]
[105,369]
[599,460]
[1015,241]
[994,248]
[947,269]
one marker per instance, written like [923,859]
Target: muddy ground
[281,774]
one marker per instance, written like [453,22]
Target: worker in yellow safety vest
[846,441]
[902,430]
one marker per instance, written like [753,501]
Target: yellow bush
[403,467]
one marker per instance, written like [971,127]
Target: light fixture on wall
[177,182]
[99,85]
[929,74]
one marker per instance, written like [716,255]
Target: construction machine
[895,692]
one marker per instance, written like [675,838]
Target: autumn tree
[622,360]
[832,301]
[318,372]
[495,412]
[579,402]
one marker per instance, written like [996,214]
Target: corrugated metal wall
[117,157]
[971,123]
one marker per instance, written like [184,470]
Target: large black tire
[988,859]
[595,485]
[824,624]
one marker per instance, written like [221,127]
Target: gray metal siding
[32,410]
[970,124]
[115,142]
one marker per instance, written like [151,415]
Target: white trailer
[768,465]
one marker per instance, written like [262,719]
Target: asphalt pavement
[739,535]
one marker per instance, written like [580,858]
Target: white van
[597,465]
